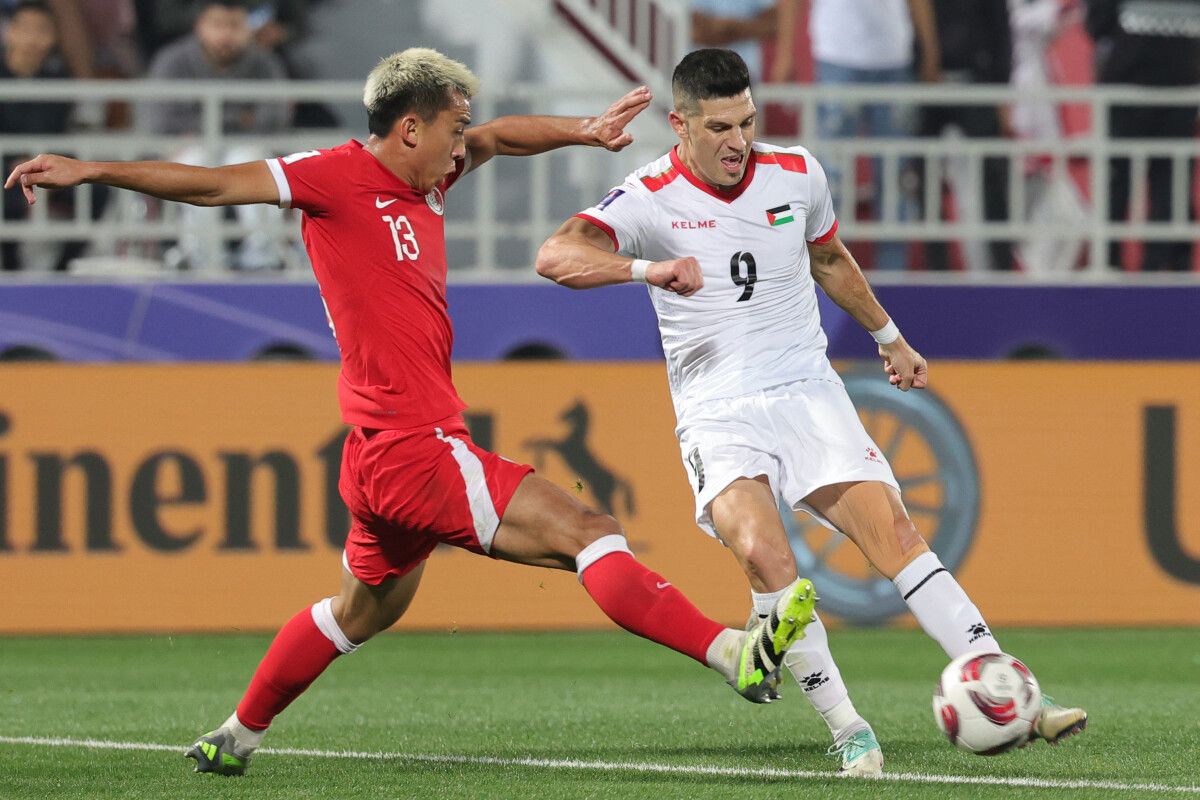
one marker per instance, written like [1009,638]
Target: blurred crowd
[982,42]
[827,42]
[158,39]
[165,39]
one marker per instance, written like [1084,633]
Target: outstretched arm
[530,135]
[836,271]
[237,184]
[580,256]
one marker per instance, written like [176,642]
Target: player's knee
[359,622]
[762,548]
[361,626]
[597,535]
[592,526]
[339,627]
[912,544]
[909,545]
[766,560]
[567,535]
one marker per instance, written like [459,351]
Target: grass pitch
[576,715]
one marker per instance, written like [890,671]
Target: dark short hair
[40,6]
[200,6]
[705,74]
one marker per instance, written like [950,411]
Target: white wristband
[887,334]
[638,270]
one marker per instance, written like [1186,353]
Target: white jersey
[863,34]
[755,323]
[1035,23]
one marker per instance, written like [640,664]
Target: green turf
[587,696]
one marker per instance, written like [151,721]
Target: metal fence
[498,216]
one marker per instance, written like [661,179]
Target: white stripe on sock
[322,614]
[919,569]
[605,545]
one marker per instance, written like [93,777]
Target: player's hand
[905,367]
[679,275]
[608,129]
[50,172]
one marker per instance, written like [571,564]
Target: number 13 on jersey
[403,237]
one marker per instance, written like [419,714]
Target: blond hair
[418,80]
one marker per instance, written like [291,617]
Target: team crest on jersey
[608,198]
[780,215]
[436,202]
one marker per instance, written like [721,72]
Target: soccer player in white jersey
[731,236]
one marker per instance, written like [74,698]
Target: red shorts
[410,490]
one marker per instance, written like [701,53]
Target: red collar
[727,195]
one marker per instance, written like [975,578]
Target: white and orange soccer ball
[986,703]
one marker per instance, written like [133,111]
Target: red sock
[298,655]
[642,602]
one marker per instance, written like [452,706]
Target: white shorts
[801,435]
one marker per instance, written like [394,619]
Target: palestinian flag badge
[780,215]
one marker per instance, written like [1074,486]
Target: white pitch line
[622,766]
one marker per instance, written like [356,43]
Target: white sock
[812,665]
[245,737]
[844,721]
[943,608]
[723,653]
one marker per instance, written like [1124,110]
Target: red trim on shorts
[826,237]
[407,491]
[604,226]
[789,161]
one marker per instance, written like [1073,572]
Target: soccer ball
[986,703]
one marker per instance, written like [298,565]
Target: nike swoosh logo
[663,585]
[381,204]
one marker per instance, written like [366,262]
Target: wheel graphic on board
[933,463]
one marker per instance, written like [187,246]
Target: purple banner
[240,321]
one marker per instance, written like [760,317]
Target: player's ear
[408,128]
[678,124]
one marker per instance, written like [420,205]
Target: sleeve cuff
[827,236]
[604,227]
[281,182]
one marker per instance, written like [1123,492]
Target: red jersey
[378,249]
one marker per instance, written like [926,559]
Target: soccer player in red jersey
[411,475]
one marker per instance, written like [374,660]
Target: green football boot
[218,752]
[765,644]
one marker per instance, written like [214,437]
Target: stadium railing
[642,39]
[500,215]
